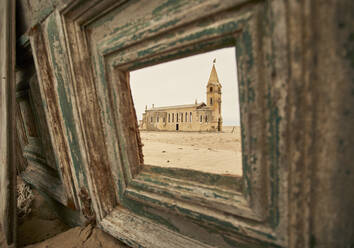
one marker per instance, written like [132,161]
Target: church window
[181,117]
[211,89]
[169,118]
[173,117]
[177,117]
[201,118]
[206,118]
[190,116]
[186,118]
[211,101]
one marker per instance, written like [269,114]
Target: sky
[184,80]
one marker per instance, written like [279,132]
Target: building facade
[191,117]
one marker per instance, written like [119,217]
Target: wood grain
[7,122]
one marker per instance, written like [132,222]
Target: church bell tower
[214,97]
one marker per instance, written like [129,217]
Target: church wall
[163,124]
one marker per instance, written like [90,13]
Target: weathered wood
[295,81]
[114,53]
[21,162]
[322,162]
[137,232]
[54,120]
[7,122]
[46,180]
[41,124]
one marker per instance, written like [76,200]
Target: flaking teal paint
[183,52]
[247,41]
[201,218]
[63,95]
[229,182]
[142,210]
[168,6]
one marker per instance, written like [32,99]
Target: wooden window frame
[148,198]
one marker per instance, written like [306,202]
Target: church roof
[178,107]
[213,79]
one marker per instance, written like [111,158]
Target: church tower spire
[214,96]
[213,78]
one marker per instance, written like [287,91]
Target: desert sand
[42,228]
[213,152]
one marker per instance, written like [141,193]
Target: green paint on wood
[210,223]
[106,19]
[64,93]
[222,181]
[168,6]
[166,184]
[183,52]
[274,153]
[41,13]
[267,235]
[138,208]
[247,42]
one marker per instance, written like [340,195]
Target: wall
[195,125]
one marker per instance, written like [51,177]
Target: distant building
[191,117]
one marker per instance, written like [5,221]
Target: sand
[217,152]
[81,237]
[42,228]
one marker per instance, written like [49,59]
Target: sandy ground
[81,237]
[41,224]
[43,229]
[218,153]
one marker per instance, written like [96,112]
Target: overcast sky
[184,80]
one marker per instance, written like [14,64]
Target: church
[190,117]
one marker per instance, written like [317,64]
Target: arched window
[211,89]
[201,118]
[186,118]
[206,118]
[211,101]
[181,117]
[173,117]
[190,117]
[169,118]
[177,117]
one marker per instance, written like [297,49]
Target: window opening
[213,138]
